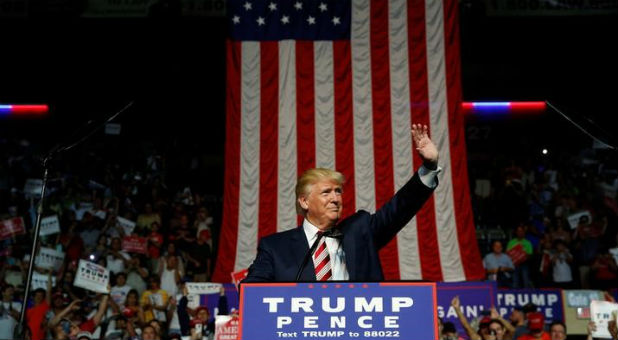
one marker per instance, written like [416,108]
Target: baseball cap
[82,335]
[485,321]
[536,321]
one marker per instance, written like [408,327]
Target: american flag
[337,84]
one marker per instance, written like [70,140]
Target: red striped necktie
[321,261]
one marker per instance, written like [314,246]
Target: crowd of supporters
[523,206]
[561,215]
[147,298]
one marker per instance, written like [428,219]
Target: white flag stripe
[450,259]
[364,172]
[249,156]
[324,105]
[407,246]
[286,174]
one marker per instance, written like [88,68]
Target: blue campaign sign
[548,301]
[475,298]
[345,310]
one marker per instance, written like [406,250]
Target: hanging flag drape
[337,84]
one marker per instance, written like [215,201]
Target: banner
[239,276]
[226,327]
[134,244]
[602,312]
[338,311]
[49,258]
[475,299]
[201,288]
[127,225]
[40,281]
[49,225]
[548,301]
[12,227]
[92,277]
[577,309]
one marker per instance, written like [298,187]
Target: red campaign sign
[238,276]
[226,327]
[134,244]
[518,254]
[12,227]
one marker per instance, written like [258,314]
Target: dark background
[174,70]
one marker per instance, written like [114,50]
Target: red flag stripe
[344,122]
[463,214]
[229,224]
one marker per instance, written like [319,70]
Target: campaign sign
[239,276]
[49,258]
[49,225]
[475,299]
[41,281]
[134,244]
[602,312]
[226,327]
[127,225]
[338,311]
[92,277]
[12,227]
[548,301]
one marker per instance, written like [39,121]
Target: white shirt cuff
[429,177]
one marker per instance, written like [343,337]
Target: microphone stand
[20,328]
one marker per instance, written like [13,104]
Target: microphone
[332,232]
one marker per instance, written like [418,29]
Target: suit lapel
[349,251]
[300,249]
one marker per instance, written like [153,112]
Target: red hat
[536,321]
[202,308]
[485,321]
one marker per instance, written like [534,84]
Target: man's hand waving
[426,148]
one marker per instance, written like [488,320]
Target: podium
[338,310]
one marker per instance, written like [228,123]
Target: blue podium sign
[338,310]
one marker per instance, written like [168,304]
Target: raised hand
[426,148]
[455,302]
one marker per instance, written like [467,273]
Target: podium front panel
[338,310]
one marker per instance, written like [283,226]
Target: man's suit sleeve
[262,269]
[399,210]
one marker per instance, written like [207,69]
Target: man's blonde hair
[309,178]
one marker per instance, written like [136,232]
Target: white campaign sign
[203,287]
[40,280]
[601,312]
[92,277]
[49,225]
[49,258]
[574,218]
[127,225]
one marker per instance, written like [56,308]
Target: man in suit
[350,253]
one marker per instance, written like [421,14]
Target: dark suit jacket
[280,255]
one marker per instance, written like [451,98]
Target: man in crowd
[498,265]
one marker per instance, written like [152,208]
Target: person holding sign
[349,248]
